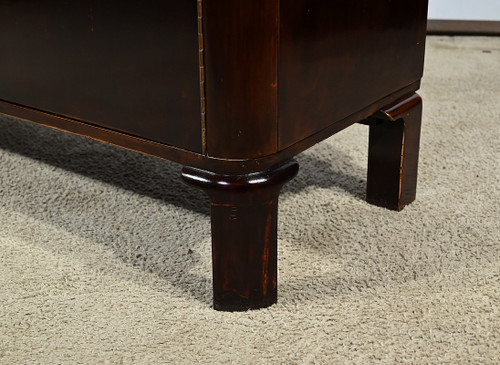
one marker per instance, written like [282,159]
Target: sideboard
[232,90]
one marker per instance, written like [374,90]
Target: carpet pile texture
[105,253]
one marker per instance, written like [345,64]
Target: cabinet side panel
[127,66]
[337,57]
[241,77]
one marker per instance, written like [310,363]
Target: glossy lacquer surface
[337,57]
[241,77]
[244,217]
[131,66]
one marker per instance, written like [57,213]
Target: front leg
[393,154]
[244,211]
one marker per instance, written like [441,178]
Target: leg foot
[393,154]
[244,234]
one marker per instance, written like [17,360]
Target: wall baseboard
[463,27]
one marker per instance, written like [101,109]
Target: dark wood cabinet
[231,89]
[129,66]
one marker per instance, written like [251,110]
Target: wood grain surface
[128,66]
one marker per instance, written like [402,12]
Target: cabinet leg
[244,212]
[393,154]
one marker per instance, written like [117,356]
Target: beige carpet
[105,254]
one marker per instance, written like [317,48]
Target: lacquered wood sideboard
[231,89]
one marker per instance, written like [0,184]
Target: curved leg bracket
[244,212]
[393,154]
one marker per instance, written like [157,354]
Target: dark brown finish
[173,153]
[231,89]
[128,66]
[352,51]
[463,27]
[393,154]
[244,234]
[241,77]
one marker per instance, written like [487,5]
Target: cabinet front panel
[337,57]
[131,66]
